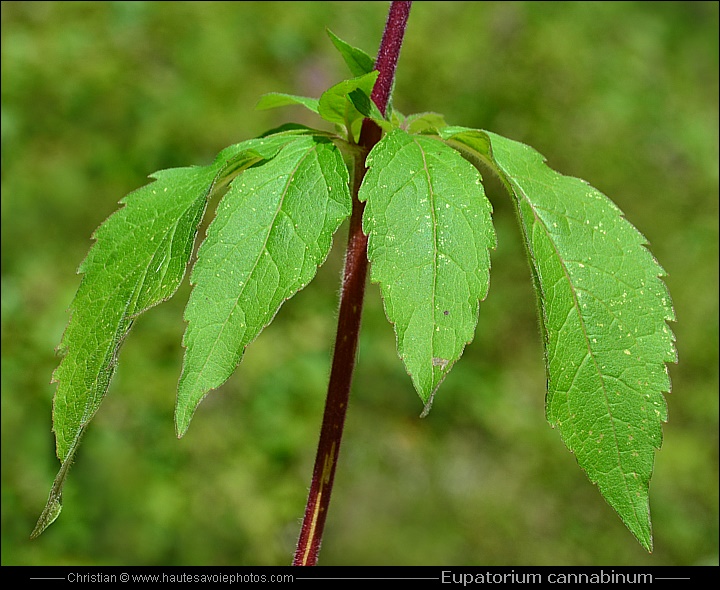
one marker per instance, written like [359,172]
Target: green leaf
[604,313]
[273,100]
[357,60]
[335,105]
[294,129]
[138,260]
[273,229]
[364,104]
[424,123]
[472,143]
[395,117]
[430,231]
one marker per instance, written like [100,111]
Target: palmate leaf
[603,311]
[430,231]
[138,260]
[272,230]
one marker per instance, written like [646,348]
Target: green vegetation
[480,481]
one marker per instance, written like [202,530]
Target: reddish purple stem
[351,304]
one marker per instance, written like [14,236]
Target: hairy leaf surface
[137,261]
[272,230]
[604,313]
[430,231]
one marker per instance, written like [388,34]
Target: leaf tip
[264,102]
[428,404]
[184,411]
[49,515]
[645,538]
[182,423]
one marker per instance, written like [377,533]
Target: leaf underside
[604,313]
[272,230]
[430,231]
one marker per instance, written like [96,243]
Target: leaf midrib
[257,260]
[123,326]
[433,213]
[576,306]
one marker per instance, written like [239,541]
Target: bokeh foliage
[96,96]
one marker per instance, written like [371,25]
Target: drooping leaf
[138,260]
[604,312]
[273,229]
[357,60]
[430,231]
[336,107]
[273,100]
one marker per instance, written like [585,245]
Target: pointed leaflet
[430,230]
[272,230]
[272,100]
[138,261]
[604,313]
[356,59]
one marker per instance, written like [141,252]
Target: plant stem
[351,303]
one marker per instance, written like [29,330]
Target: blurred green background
[97,95]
